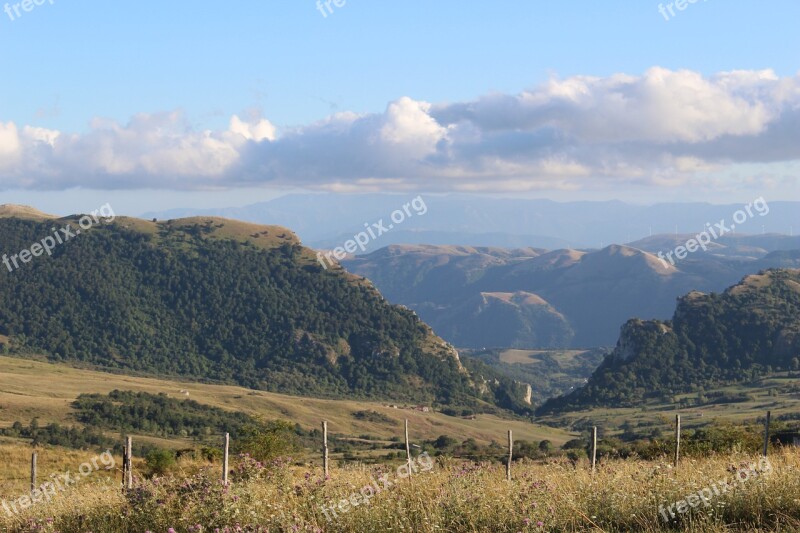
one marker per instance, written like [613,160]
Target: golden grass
[24,212]
[452,497]
[261,235]
[514,355]
[16,460]
[31,388]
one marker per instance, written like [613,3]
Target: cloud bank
[663,128]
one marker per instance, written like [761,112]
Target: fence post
[325,447]
[766,433]
[33,471]
[225,459]
[677,439]
[594,448]
[408,450]
[510,455]
[128,469]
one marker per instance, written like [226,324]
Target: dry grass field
[447,496]
[31,389]
[528,357]
[455,495]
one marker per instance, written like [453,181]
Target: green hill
[747,331]
[219,300]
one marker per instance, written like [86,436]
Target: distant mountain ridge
[581,296]
[326,220]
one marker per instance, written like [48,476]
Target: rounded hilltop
[212,227]
[23,211]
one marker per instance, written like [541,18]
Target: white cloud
[663,128]
[9,145]
[261,130]
[407,124]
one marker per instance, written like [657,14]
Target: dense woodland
[157,414]
[179,303]
[59,435]
[105,419]
[713,339]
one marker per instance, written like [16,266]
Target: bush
[445,442]
[269,441]
[372,416]
[160,461]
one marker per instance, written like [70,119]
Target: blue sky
[79,68]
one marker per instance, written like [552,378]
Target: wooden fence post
[408,450]
[33,471]
[594,448]
[128,469]
[325,447]
[510,455]
[225,459]
[677,439]
[766,433]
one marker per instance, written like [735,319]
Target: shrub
[268,441]
[160,461]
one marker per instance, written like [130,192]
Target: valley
[32,388]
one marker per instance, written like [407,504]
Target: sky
[152,105]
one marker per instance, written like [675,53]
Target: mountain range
[476,297]
[327,220]
[220,300]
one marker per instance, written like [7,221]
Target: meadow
[451,495]
[553,494]
[38,389]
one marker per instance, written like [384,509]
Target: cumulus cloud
[662,128]
[258,130]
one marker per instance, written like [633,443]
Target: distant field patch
[530,357]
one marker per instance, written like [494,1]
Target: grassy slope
[528,357]
[31,388]
[15,458]
[784,401]
[23,212]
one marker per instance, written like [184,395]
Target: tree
[265,442]
[546,447]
